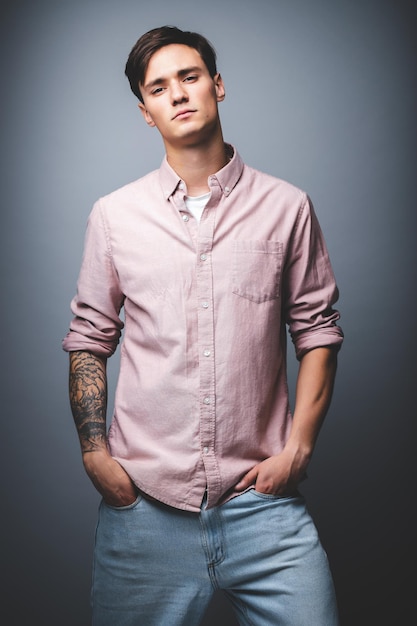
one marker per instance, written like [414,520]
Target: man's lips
[184,113]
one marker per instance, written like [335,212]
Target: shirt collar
[227,177]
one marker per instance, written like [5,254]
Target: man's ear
[147,116]
[219,86]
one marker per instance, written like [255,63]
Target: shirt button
[205,305]
[181,186]
[185,217]
[203,257]
[227,189]
[206,352]
[206,400]
[205,449]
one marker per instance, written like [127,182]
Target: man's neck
[194,164]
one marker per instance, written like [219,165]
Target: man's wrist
[300,450]
[95,455]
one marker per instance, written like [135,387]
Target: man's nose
[178,93]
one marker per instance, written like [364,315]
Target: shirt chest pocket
[256,269]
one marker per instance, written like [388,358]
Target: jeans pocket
[127,507]
[256,269]
[274,496]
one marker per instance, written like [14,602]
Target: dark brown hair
[157,38]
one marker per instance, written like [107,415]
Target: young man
[199,472]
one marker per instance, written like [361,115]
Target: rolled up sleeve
[96,325]
[310,286]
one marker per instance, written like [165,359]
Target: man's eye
[155,92]
[190,79]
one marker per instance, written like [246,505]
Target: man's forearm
[313,395]
[281,473]
[88,399]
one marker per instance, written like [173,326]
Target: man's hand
[109,478]
[279,475]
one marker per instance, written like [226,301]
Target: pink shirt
[202,392]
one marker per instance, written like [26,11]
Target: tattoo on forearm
[88,398]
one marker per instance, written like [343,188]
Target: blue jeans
[159,566]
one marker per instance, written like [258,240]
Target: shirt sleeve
[310,289]
[96,325]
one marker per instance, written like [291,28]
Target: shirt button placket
[206,346]
[207,387]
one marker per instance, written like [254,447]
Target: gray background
[319,92]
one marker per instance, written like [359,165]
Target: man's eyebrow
[189,70]
[180,74]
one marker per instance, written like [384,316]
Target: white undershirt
[196,204]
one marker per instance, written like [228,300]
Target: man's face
[180,97]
